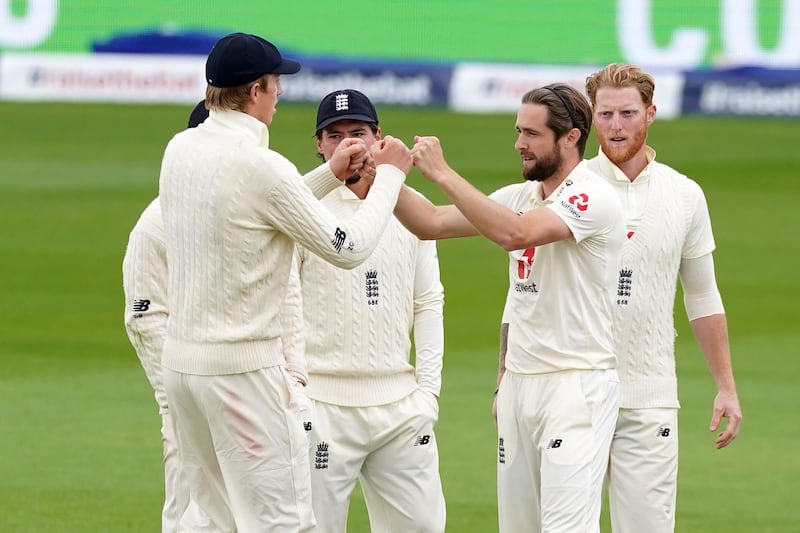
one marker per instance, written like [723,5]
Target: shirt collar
[610,169]
[230,119]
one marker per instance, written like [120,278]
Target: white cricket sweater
[144,282]
[231,207]
[358,322]
[668,220]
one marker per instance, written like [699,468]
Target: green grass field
[80,449]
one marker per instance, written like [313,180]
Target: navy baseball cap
[198,115]
[239,58]
[347,104]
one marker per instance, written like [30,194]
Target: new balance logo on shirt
[422,440]
[140,306]
[663,432]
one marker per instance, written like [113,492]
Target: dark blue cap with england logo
[345,104]
[240,58]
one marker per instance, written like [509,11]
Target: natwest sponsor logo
[580,201]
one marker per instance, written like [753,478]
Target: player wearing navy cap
[232,211]
[374,413]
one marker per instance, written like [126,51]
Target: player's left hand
[726,405]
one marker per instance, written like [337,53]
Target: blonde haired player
[233,210]
[669,236]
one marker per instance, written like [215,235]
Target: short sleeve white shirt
[560,302]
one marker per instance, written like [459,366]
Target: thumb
[715,420]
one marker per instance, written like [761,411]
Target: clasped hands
[352,156]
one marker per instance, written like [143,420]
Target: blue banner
[749,91]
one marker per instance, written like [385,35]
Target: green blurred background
[81,451]
[547,32]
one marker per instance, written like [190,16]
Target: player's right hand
[349,157]
[391,150]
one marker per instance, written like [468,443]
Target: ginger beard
[621,149]
[621,146]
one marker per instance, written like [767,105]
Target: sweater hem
[360,391]
[213,359]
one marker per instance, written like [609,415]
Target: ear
[651,114]
[573,136]
[378,134]
[253,91]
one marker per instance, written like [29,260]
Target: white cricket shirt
[560,300]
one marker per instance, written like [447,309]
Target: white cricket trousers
[243,449]
[176,490]
[554,434]
[643,471]
[392,450]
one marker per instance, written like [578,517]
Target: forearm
[428,221]
[429,344]
[291,317]
[343,242]
[492,220]
[711,333]
[321,180]
[501,365]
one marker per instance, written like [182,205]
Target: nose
[519,145]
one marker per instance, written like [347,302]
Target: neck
[555,180]
[635,165]
[359,188]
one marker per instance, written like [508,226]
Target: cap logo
[342,102]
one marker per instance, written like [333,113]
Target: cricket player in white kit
[374,412]
[564,230]
[232,209]
[669,236]
[144,281]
